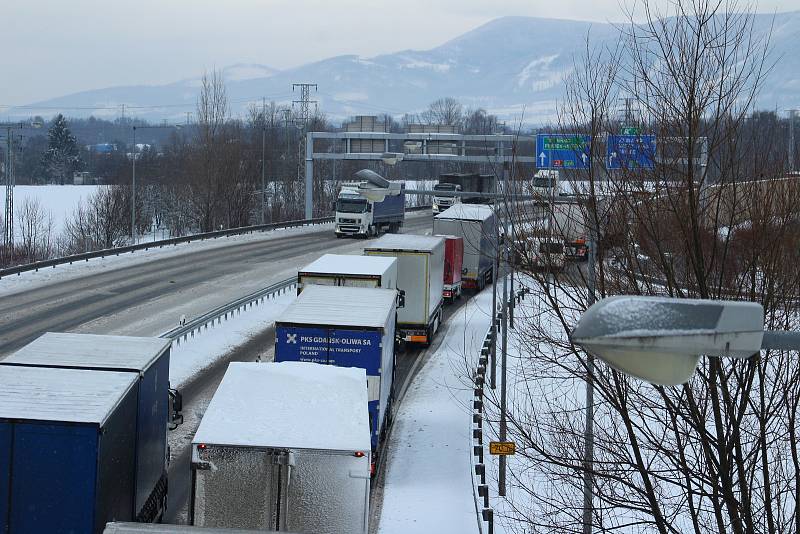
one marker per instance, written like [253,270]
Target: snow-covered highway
[146,295]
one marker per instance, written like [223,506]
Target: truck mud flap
[154,508]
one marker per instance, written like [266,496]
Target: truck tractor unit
[360,213]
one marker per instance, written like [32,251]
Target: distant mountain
[506,66]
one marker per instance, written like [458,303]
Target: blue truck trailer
[147,361]
[347,327]
[67,460]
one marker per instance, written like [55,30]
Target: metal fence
[485,513]
[217,315]
[86,256]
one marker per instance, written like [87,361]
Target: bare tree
[36,231]
[444,111]
[719,453]
[207,188]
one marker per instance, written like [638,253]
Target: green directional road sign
[630,130]
[562,151]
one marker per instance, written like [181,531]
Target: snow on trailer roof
[68,395]
[341,306]
[90,350]
[406,242]
[467,212]
[295,405]
[348,264]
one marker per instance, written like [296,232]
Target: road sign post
[563,151]
[630,151]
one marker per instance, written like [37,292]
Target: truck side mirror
[401,298]
[333,207]
[176,407]
[369,208]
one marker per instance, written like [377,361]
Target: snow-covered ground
[190,357]
[533,387]
[428,485]
[59,201]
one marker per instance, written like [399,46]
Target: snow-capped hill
[247,71]
[506,66]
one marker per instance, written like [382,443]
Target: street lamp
[133,178]
[660,339]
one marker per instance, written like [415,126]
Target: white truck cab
[353,211]
[444,201]
[547,253]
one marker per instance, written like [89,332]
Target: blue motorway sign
[563,151]
[630,152]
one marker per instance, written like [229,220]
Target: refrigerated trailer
[420,276]
[67,449]
[477,225]
[346,327]
[145,358]
[284,446]
[453,263]
[347,270]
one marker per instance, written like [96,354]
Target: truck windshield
[444,188]
[543,182]
[354,205]
[551,248]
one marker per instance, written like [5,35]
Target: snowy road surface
[428,485]
[146,293]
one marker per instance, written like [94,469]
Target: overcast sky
[55,47]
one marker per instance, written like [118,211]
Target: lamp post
[660,339]
[133,177]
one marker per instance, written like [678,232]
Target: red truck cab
[453,263]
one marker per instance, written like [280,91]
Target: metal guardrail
[186,329]
[35,266]
[483,510]
[86,256]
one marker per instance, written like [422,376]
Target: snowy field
[428,485]
[59,201]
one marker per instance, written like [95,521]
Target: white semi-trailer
[286,447]
[348,270]
[477,224]
[420,276]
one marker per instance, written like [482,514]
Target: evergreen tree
[62,156]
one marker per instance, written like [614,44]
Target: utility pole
[263,160]
[133,191]
[504,347]
[8,238]
[588,452]
[302,122]
[628,110]
[792,113]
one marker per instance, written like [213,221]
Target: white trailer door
[328,492]
[412,277]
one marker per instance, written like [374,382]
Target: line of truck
[289,445]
